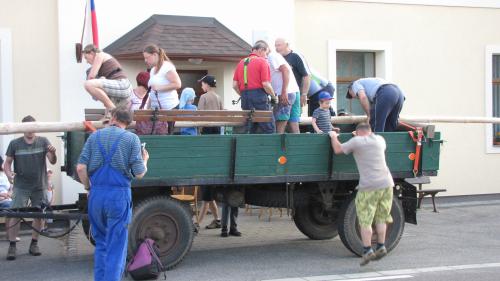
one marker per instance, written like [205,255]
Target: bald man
[299,66]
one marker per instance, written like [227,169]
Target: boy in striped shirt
[321,118]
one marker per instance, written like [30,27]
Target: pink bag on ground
[146,263]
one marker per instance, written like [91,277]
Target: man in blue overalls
[111,157]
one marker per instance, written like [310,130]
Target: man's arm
[268,88]
[51,154]
[7,167]
[337,147]
[81,170]
[285,73]
[365,103]
[236,87]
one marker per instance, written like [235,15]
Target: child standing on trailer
[321,118]
[186,103]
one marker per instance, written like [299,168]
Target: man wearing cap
[375,188]
[382,102]
[252,81]
[287,111]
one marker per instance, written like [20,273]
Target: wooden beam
[15,128]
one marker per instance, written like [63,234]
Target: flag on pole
[95,33]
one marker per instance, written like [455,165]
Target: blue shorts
[283,112]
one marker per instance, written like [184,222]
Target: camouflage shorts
[374,207]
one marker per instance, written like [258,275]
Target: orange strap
[89,127]
[418,140]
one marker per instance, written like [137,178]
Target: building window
[496,98]
[350,67]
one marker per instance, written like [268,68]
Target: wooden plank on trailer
[202,118]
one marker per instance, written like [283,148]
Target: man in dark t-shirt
[299,66]
[28,153]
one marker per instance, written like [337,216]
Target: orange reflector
[412,156]
[282,160]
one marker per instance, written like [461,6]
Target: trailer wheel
[316,223]
[88,233]
[349,228]
[166,221]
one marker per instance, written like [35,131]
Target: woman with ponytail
[164,80]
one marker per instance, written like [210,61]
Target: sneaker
[196,228]
[214,224]
[224,234]
[34,250]
[380,253]
[366,258]
[235,233]
[11,254]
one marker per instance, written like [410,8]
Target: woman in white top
[164,80]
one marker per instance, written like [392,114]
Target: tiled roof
[181,37]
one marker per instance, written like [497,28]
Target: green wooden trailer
[295,171]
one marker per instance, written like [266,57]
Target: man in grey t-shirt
[374,197]
[29,154]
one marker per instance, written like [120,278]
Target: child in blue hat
[321,118]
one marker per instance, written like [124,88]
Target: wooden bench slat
[205,113]
[94,111]
[202,118]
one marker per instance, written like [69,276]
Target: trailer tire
[275,198]
[315,223]
[168,222]
[349,229]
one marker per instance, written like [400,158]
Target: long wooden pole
[47,127]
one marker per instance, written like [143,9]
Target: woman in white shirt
[164,80]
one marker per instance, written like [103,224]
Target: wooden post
[36,127]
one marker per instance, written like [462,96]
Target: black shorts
[207,193]
[210,131]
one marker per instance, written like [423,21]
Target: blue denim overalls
[109,214]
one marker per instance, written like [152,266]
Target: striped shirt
[323,120]
[127,158]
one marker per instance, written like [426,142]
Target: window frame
[383,58]
[490,51]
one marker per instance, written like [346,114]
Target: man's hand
[283,99]
[274,100]
[354,133]
[11,177]
[333,134]
[145,155]
[51,149]
[303,100]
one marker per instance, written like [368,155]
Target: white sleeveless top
[168,99]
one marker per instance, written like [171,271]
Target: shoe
[380,253]
[224,234]
[214,224]
[11,254]
[366,258]
[235,233]
[34,250]
[196,228]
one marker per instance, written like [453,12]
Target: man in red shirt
[252,81]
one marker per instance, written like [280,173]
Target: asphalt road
[462,242]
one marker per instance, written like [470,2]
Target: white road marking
[389,274]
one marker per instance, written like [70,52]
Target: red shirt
[257,72]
